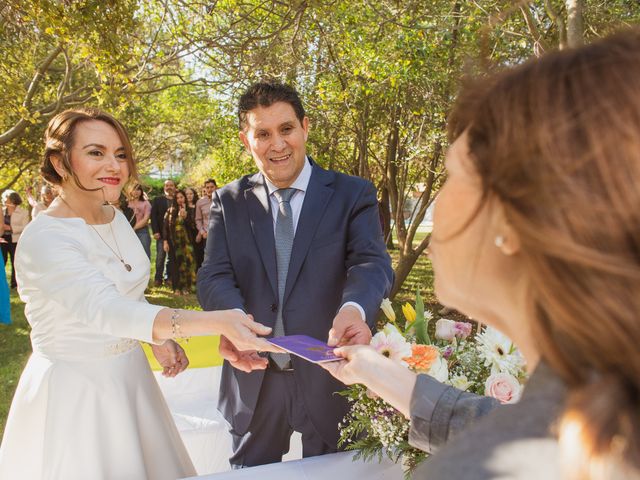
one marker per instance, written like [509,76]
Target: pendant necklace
[118,255]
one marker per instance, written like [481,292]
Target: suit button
[274,307]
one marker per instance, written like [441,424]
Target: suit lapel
[315,202]
[257,199]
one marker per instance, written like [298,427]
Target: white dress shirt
[301,183]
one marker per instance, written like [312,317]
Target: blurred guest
[141,207]
[198,244]
[47,195]
[202,217]
[178,244]
[127,211]
[537,233]
[159,207]
[5,303]
[15,219]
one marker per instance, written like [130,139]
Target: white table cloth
[336,466]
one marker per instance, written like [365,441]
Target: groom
[299,248]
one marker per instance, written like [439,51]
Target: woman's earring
[499,241]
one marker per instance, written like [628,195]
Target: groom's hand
[245,360]
[349,329]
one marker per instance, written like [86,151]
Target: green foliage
[355,430]
[377,78]
[422,322]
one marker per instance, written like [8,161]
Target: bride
[87,405]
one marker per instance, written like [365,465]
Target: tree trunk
[575,23]
[363,145]
[402,270]
[385,216]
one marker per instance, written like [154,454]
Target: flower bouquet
[486,364]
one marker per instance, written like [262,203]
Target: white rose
[446,329]
[439,370]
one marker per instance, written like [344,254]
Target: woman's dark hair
[195,194]
[174,207]
[557,141]
[14,198]
[138,188]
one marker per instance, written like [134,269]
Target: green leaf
[421,323]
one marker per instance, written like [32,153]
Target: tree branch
[21,125]
[559,21]
[539,45]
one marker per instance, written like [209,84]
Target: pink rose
[463,330]
[503,387]
[448,329]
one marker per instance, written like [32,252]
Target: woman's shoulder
[52,227]
[46,236]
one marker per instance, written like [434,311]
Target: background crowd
[178,220]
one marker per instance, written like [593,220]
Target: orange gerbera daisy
[422,357]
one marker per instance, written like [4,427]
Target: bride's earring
[499,241]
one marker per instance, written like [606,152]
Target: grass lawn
[15,346]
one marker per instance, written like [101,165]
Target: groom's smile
[276,138]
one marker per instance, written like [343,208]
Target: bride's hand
[240,329]
[171,358]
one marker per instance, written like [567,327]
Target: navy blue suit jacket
[338,256]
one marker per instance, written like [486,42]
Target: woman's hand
[182,213]
[240,329]
[360,362]
[171,358]
[386,378]
[165,246]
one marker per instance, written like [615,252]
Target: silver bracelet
[175,324]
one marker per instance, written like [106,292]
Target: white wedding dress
[87,405]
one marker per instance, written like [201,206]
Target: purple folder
[306,347]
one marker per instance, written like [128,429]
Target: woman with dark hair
[15,219]
[141,207]
[537,233]
[87,404]
[179,225]
[127,211]
[198,244]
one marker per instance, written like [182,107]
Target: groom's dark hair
[265,94]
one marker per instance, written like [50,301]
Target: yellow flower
[409,312]
[388,310]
